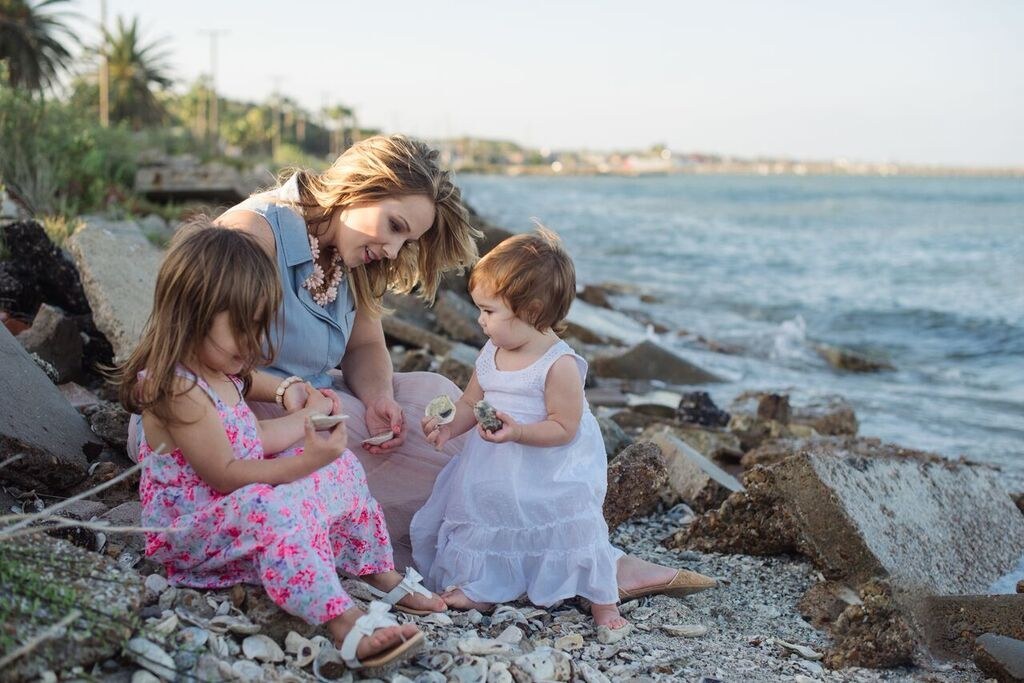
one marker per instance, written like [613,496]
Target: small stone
[684,630]
[156,584]
[487,416]
[573,641]
[151,656]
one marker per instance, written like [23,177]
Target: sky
[914,81]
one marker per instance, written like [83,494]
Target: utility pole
[214,126]
[104,69]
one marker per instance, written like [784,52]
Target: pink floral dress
[292,538]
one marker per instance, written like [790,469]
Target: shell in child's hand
[487,416]
[442,408]
[321,421]
[379,439]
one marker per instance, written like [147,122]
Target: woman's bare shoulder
[252,223]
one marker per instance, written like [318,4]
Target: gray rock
[118,268]
[404,332]
[648,360]
[614,438]
[56,339]
[44,580]
[110,423]
[1000,657]
[458,318]
[37,421]
[692,477]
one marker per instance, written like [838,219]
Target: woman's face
[364,233]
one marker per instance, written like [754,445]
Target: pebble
[684,630]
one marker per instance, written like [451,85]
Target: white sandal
[376,618]
[410,584]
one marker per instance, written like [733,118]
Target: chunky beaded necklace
[324,287]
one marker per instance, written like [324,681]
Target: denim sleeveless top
[309,339]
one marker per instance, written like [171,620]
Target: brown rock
[459,365]
[1001,658]
[692,477]
[774,407]
[827,415]
[110,423]
[417,360]
[825,601]
[596,296]
[458,318]
[953,622]
[872,634]
[851,361]
[698,408]
[648,360]
[409,334]
[634,477]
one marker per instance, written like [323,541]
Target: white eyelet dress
[506,520]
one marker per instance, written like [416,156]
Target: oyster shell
[326,421]
[379,439]
[487,416]
[263,648]
[442,408]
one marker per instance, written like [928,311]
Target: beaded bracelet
[283,387]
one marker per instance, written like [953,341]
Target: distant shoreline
[764,169]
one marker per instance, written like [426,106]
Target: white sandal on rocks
[410,584]
[376,618]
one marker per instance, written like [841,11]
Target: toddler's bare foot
[375,643]
[385,581]
[456,599]
[608,615]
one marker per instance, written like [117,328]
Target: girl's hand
[332,396]
[384,415]
[317,401]
[325,449]
[510,430]
[437,435]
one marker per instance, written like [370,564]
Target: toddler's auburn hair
[534,274]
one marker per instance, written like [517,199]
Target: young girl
[519,510]
[232,512]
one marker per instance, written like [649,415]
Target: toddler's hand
[510,430]
[437,435]
[325,449]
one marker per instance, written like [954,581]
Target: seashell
[219,646]
[441,661]
[168,597]
[156,584]
[165,626]
[152,657]
[469,670]
[128,559]
[228,623]
[321,421]
[684,630]
[484,646]
[511,635]
[573,641]
[612,635]
[507,613]
[379,439]
[192,638]
[431,677]
[442,408]
[499,673]
[545,664]
[437,619]
[329,666]
[487,416]
[262,648]
[802,650]
[245,670]
[590,674]
[304,651]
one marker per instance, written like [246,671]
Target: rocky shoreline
[834,552]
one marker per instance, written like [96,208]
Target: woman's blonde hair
[533,274]
[207,270]
[379,168]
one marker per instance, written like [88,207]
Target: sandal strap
[376,617]
[411,583]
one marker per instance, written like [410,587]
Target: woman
[384,215]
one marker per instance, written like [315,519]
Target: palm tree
[30,42]
[134,68]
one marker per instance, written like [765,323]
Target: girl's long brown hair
[393,166]
[207,270]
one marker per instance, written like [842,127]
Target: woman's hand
[510,430]
[384,415]
[437,434]
[325,449]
